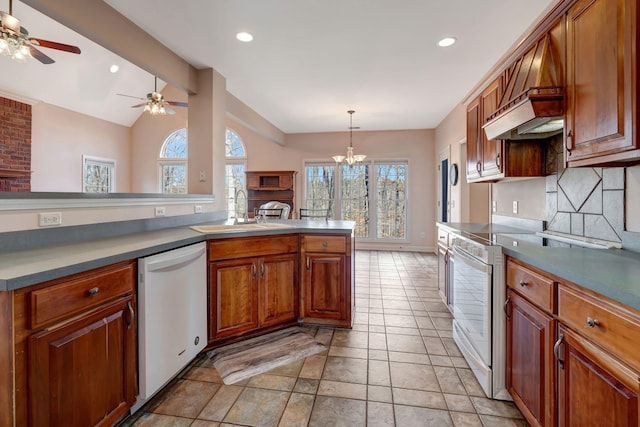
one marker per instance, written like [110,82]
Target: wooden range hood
[532,103]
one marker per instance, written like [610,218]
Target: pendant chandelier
[350,158]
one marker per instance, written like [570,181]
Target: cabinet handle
[507,303]
[308,263]
[556,350]
[592,323]
[253,267]
[262,269]
[478,167]
[567,145]
[132,315]
[523,283]
[93,291]
[498,160]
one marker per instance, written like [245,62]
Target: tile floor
[398,366]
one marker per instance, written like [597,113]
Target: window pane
[233,145]
[355,197]
[234,182]
[320,187]
[175,146]
[98,175]
[174,178]
[391,181]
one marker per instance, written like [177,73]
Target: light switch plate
[515,206]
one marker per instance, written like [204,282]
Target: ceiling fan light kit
[16,43]
[155,104]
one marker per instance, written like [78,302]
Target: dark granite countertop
[613,273]
[23,268]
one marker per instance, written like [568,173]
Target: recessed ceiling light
[447,41]
[114,68]
[244,37]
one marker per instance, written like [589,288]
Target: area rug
[241,360]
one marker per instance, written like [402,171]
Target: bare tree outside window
[391,185]
[173,163]
[320,187]
[235,179]
[355,197]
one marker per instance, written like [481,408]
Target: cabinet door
[325,286]
[474,141]
[601,90]
[83,372]
[278,301]
[233,295]
[594,388]
[491,148]
[530,362]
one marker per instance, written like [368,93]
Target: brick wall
[15,144]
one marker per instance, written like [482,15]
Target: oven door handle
[462,255]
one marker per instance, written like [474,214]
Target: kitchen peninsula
[59,297]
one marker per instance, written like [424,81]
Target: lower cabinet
[327,293]
[253,284]
[75,342]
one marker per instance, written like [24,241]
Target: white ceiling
[310,61]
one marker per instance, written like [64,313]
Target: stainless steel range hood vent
[532,96]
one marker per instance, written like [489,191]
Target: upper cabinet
[601,83]
[267,186]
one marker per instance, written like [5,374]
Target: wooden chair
[270,209]
[314,214]
[275,213]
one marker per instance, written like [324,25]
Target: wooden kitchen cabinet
[267,186]
[474,140]
[253,284]
[601,101]
[531,327]
[75,347]
[327,282]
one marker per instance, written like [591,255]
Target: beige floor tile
[313,367]
[341,389]
[201,373]
[393,330]
[396,356]
[258,407]
[338,412]
[414,416]
[485,406]
[217,408]
[160,420]
[204,423]
[379,394]
[459,403]
[306,385]
[186,398]
[423,399]
[297,411]
[289,370]
[378,355]
[413,376]
[345,369]
[462,419]
[377,341]
[471,384]
[489,420]
[379,373]
[449,380]
[380,414]
[406,343]
[357,353]
[272,382]
[435,346]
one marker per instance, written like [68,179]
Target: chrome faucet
[246,205]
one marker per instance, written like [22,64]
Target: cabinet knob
[324,244]
[93,291]
[523,283]
[592,323]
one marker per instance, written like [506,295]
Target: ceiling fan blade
[40,56]
[55,45]
[130,96]
[177,104]
[139,105]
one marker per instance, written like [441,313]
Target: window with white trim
[173,163]
[372,193]
[98,175]
[235,180]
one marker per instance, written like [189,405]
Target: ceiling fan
[155,103]
[15,40]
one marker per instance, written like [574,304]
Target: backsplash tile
[587,202]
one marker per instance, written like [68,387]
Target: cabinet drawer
[78,294]
[324,244]
[240,247]
[607,325]
[532,285]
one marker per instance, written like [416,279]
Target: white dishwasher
[172,315]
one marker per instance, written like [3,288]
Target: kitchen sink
[238,228]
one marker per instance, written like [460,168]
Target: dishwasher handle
[180,259]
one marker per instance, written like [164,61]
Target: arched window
[173,163]
[235,182]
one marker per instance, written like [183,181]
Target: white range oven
[479,325]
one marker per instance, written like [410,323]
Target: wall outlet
[515,206]
[494,206]
[197,209]
[203,176]
[160,211]
[49,219]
